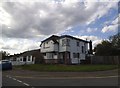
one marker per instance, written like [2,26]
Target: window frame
[78,43]
[82,49]
[66,42]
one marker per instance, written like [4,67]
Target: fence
[21,63]
[105,59]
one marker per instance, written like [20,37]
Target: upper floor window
[46,45]
[43,45]
[82,49]
[63,42]
[78,44]
[66,42]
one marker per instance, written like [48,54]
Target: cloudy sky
[25,23]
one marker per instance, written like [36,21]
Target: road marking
[14,79]
[26,84]
[10,77]
[18,80]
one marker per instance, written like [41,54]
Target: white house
[28,57]
[65,49]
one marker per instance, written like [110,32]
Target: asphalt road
[9,80]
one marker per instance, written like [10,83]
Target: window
[82,49]
[63,42]
[78,55]
[50,55]
[77,43]
[55,53]
[43,45]
[66,42]
[24,59]
[21,59]
[29,59]
[44,54]
[74,56]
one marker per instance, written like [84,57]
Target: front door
[65,58]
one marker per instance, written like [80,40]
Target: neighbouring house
[65,49]
[27,57]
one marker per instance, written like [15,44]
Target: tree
[115,40]
[4,54]
[103,49]
[109,47]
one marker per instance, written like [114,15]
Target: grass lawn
[67,68]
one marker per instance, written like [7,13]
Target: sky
[24,24]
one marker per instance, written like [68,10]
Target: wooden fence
[104,60]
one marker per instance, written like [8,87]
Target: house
[27,57]
[65,49]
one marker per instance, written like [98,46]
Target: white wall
[73,48]
[49,46]
[29,58]
[19,62]
[50,56]
[20,59]
[62,48]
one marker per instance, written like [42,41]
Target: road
[13,80]
[65,81]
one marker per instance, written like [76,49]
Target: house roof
[55,38]
[32,52]
[68,36]
[35,53]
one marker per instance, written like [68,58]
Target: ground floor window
[55,53]
[50,55]
[24,59]
[76,55]
[29,59]
[21,59]
[44,54]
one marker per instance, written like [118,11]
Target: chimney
[90,47]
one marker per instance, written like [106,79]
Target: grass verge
[66,68]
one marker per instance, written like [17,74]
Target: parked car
[5,65]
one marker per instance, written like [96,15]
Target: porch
[57,57]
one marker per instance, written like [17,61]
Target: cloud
[25,23]
[89,30]
[18,45]
[30,19]
[99,9]
[112,27]
[95,40]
